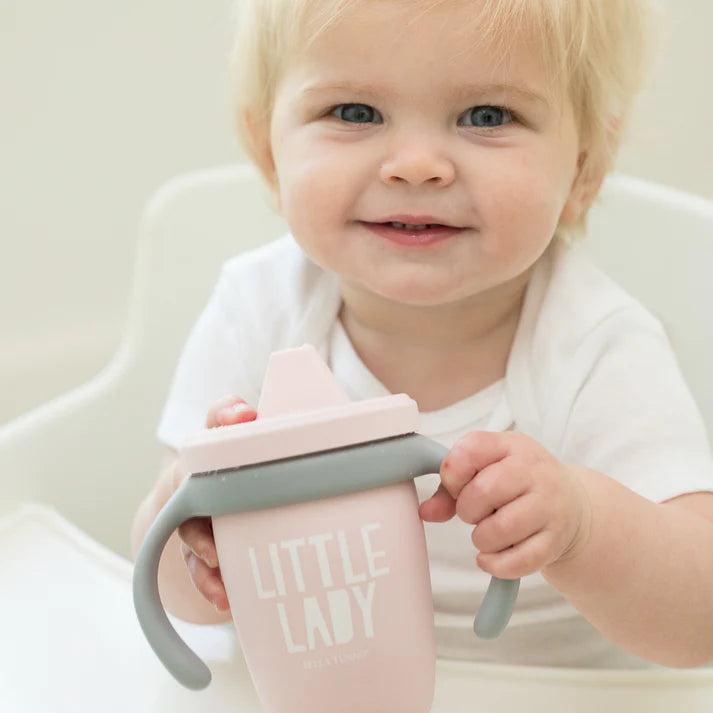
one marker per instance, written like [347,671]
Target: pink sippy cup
[321,548]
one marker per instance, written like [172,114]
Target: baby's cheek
[312,195]
[531,223]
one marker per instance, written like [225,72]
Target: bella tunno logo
[344,612]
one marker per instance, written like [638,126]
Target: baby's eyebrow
[507,90]
[355,87]
[455,92]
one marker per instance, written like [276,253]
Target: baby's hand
[529,508]
[198,545]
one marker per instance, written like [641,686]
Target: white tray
[70,643]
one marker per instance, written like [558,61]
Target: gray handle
[174,653]
[284,482]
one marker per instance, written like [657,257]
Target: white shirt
[542,616]
[591,376]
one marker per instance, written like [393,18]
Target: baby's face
[374,125]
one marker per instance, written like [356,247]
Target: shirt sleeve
[265,299]
[211,365]
[635,420]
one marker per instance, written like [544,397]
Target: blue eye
[357,113]
[487,117]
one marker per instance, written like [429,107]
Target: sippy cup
[320,545]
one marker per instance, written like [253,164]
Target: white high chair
[92,454]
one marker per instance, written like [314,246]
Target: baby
[433,159]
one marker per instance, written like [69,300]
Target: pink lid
[302,409]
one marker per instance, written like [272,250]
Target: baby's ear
[585,188]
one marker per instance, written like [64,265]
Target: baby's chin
[414,292]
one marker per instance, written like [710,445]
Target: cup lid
[302,409]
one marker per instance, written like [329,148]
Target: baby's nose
[418,163]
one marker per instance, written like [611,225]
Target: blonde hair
[596,52]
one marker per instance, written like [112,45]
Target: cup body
[332,602]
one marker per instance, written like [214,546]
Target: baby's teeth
[409,227]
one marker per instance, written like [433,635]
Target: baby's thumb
[440,507]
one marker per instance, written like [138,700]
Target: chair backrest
[657,243]
[93,453]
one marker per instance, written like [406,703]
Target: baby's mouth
[410,227]
[422,226]
[412,234]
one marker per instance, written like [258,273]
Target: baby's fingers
[197,536]
[229,411]
[206,580]
[471,454]
[522,559]
[440,507]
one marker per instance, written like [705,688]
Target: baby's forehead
[497,28]
[388,39]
